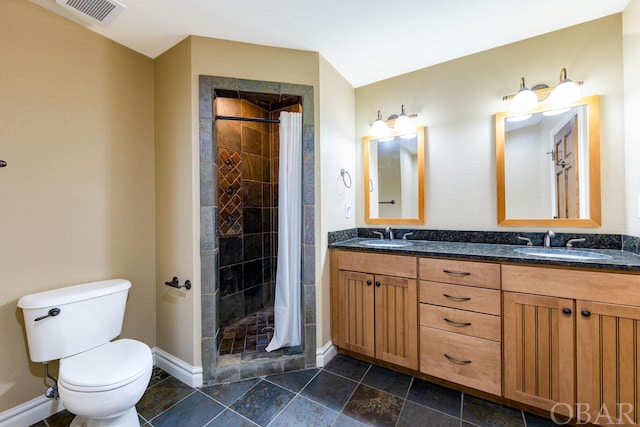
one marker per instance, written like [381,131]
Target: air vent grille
[98,11]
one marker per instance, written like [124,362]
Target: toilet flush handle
[52,313]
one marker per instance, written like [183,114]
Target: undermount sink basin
[386,243]
[561,253]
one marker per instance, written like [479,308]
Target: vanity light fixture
[402,123]
[566,91]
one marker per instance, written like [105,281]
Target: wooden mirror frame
[594,220]
[420,130]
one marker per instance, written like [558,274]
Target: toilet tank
[90,314]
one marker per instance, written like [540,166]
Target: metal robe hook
[3,163]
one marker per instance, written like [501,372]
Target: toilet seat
[110,366]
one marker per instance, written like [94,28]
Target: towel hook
[343,173]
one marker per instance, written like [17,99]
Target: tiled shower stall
[238,218]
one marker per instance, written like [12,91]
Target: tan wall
[176,255]
[77,196]
[457,100]
[631,40]
[337,151]
[177,130]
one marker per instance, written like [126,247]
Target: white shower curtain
[287,316]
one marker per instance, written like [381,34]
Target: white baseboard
[30,412]
[325,354]
[190,375]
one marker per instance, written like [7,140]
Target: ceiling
[365,40]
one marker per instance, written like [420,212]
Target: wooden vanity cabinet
[374,306]
[572,338]
[460,322]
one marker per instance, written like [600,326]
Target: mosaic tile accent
[229,192]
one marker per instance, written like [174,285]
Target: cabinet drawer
[462,297]
[612,288]
[469,361]
[460,272]
[390,265]
[461,321]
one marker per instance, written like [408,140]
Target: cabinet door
[608,363]
[539,351]
[355,312]
[397,320]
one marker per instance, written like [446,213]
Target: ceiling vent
[97,11]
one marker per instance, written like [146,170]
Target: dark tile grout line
[352,393]
[297,394]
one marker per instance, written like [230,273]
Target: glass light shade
[567,91]
[524,100]
[379,128]
[403,124]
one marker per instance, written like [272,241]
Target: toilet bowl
[100,384]
[100,380]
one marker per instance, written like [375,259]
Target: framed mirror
[394,178]
[548,165]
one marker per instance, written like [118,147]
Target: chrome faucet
[547,238]
[390,231]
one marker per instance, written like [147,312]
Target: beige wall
[176,255]
[337,151]
[77,196]
[631,40]
[457,100]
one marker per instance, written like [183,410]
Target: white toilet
[99,380]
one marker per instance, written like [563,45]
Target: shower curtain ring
[343,173]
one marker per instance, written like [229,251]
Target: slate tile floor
[249,334]
[345,393]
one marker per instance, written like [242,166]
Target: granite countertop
[620,260]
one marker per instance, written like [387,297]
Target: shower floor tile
[247,335]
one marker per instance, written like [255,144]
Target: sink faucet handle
[572,241]
[526,239]
[379,234]
[404,236]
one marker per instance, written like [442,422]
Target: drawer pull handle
[453,359]
[457,273]
[368,282]
[457,298]
[453,322]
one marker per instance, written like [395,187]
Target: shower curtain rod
[247,119]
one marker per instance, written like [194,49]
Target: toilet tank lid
[73,293]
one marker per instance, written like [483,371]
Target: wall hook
[3,163]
